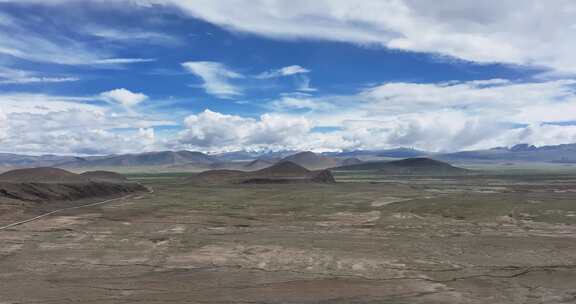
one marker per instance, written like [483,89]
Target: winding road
[150,190]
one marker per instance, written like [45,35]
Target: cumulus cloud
[524,32]
[216,77]
[70,125]
[538,134]
[285,71]
[124,97]
[220,132]
[443,116]
[508,101]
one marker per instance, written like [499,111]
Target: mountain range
[249,161]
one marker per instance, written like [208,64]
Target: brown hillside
[51,184]
[283,168]
[281,173]
[104,176]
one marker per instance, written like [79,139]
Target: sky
[90,77]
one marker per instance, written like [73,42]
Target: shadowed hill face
[104,176]
[257,164]
[409,166]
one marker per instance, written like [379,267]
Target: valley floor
[503,239]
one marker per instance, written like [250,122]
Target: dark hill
[283,168]
[257,164]
[52,184]
[409,166]
[281,173]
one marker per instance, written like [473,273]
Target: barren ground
[396,240]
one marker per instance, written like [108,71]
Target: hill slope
[52,184]
[280,173]
[409,166]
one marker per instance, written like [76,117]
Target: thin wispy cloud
[511,31]
[28,41]
[14,76]
[216,78]
[285,71]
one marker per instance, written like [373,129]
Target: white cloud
[216,77]
[525,32]
[303,84]
[116,61]
[43,104]
[300,101]
[14,76]
[535,134]
[89,141]
[3,125]
[441,116]
[507,101]
[21,39]
[285,71]
[124,97]
[220,132]
[130,35]
[35,123]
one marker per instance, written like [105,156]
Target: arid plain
[368,238]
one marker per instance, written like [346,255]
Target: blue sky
[103,76]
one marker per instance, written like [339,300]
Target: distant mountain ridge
[247,161]
[522,152]
[401,152]
[21,161]
[162,158]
